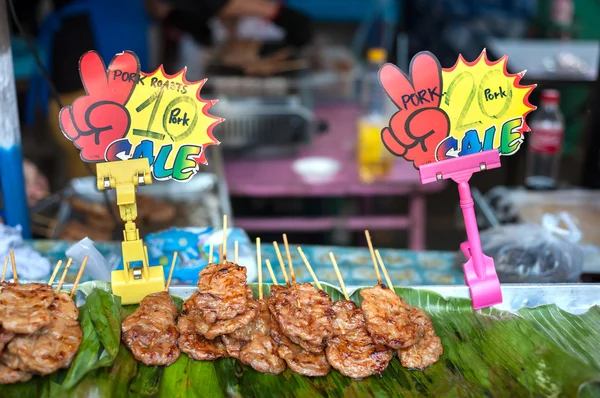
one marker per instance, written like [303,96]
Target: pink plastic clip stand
[480,272]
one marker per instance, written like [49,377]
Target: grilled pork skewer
[387,315]
[222,292]
[297,358]
[299,324]
[191,341]
[301,310]
[350,349]
[223,299]
[50,347]
[428,349]
[388,318]
[24,307]
[253,344]
[150,332]
[222,305]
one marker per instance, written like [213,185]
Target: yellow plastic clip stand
[137,279]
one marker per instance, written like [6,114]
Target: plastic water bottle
[545,143]
[374,161]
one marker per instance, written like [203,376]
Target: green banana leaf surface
[536,352]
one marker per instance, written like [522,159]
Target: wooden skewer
[4,269]
[210,254]
[171,271]
[221,254]
[64,275]
[368,235]
[55,272]
[289,258]
[224,238]
[83,264]
[14,266]
[259,265]
[339,276]
[271,272]
[235,252]
[385,273]
[310,270]
[281,264]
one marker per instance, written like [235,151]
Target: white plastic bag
[532,253]
[97,266]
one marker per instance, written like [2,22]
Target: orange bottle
[374,161]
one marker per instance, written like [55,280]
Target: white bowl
[316,170]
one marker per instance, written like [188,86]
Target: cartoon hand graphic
[419,125]
[97,119]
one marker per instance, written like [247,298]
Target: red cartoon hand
[419,125]
[97,119]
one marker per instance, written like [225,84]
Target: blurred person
[112,26]
[70,29]
[194,17]
[36,184]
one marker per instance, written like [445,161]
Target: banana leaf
[542,351]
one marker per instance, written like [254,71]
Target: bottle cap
[551,96]
[377,55]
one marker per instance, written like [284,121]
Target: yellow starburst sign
[128,114]
[445,113]
[486,107]
[171,123]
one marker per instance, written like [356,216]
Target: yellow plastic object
[377,55]
[374,160]
[137,279]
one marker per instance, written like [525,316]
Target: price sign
[129,114]
[444,113]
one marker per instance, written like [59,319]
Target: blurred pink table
[271,178]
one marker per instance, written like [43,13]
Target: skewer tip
[289,258]
[64,275]
[310,270]
[235,252]
[224,238]
[385,273]
[281,263]
[372,252]
[259,266]
[55,272]
[270,269]
[78,278]
[339,276]
[173,262]
[210,254]
[14,266]
[4,269]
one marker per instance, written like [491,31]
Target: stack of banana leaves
[539,352]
